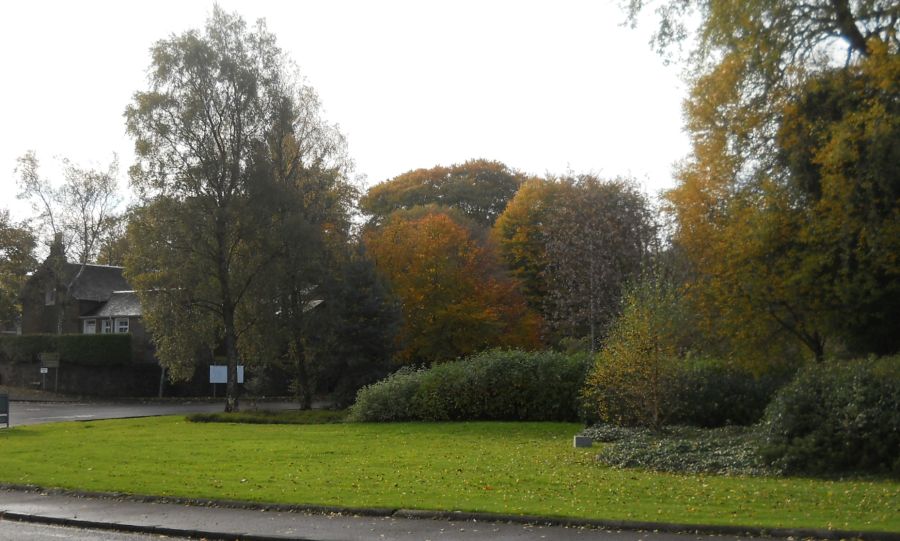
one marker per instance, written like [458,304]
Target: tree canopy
[454,296]
[479,188]
[80,211]
[788,201]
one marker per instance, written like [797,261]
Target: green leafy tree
[226,142]
[353,332]
[17,244]
[479,188]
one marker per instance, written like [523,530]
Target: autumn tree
[454,295]
[17,244]
[479,188]
[635,372]
[777,118]
[840,153]
[228,143]
[520,236]
[596,239]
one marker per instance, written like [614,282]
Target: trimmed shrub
[95,349]
[84,349]
[390,399]
[836,417]
[266,417]
[495,385]
[710,393]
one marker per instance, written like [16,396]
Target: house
[69,298]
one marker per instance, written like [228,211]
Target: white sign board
[219,373]
[44,370]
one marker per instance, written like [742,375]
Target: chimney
[56,249]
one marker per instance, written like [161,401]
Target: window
[50,296]
[106,326]
[90,326]
[121,324]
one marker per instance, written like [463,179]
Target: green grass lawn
[526,468]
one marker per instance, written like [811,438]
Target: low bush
[265,417]
[694,392]
[494,385]
[712,393]
[723,451]
[390,399]
[836,417]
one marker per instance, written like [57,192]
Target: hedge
[83,349]
[505,385]
[837,417]
[711,393]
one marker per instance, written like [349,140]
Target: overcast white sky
[545,86]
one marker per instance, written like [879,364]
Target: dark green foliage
[265,417]
[25,348]
[837,417]
[354,329]
[494,385]
[95,349]
[723,451]
[715,393]
[84,349]
[390,399]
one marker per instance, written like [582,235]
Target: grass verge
[520,468]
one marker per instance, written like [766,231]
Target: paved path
[228,523]
[31,413]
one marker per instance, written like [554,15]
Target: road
[23,531]
[32,413]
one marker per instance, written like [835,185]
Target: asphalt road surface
[32,413]
[23,531]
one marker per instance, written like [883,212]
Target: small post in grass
[583,441]
[4,409]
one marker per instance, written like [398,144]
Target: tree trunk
[231,388]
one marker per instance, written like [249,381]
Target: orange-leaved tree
[455,298]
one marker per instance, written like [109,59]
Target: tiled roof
[96,282]
[120,304]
